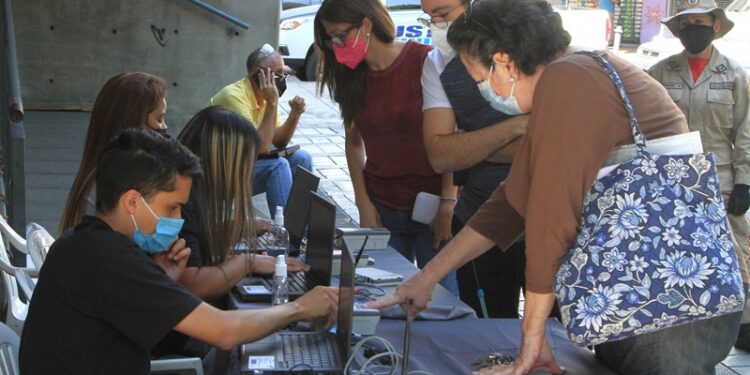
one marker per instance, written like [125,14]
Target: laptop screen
[320,238]
[346,302]
[298,205]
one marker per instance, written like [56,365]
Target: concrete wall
[67,49]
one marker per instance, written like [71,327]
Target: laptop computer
[296,210]
[319,352]
[298,207]
[319,257]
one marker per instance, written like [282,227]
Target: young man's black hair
[144,161]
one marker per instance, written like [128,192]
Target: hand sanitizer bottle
[280,244]
[280,291]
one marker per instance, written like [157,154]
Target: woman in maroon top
[376,82]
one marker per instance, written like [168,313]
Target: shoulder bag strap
[638,137]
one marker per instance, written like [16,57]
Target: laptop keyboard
[297,282]
[265,241]
[314,350]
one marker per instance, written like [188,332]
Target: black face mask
[695,38]
[279,80]
[280,84]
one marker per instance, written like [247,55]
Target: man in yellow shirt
[256,97]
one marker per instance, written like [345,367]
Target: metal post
[618,38]
[17,179]
[13,136]
[15,105]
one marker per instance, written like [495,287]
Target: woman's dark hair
[227,145]
[143,160]
[530,31]
[124,102]
[347,86]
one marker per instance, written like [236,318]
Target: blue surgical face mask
[508,105]
[167,230]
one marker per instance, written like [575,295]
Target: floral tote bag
[653,248]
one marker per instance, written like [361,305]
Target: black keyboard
[314,350]
[297,282]
[265,240]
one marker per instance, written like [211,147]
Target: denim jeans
[412,240]
[692,348]
[274,177]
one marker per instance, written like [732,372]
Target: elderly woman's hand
[418,289]
[535,350]
[535,353]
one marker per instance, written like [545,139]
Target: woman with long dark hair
[376,81]
[219,214]
[127,100]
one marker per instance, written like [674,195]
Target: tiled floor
[321,132]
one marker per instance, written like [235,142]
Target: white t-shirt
[433,94]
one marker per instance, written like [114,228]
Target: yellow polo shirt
[239,97]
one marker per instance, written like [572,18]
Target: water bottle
[280,243]
[280,291]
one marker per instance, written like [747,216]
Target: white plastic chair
[10,344]
[11,237]
[35,246]
[16,310]
[38,242]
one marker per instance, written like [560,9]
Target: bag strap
[635,127]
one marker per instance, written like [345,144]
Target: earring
[512,79]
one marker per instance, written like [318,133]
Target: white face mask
[508,105]
[440,39]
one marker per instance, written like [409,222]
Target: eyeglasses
[276,76]
[338,39]
[431,23]
[281,77]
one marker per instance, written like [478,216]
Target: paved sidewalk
[321,132]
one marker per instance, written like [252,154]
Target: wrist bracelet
[448,199]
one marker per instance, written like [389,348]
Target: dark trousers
[500,274]
[692,348]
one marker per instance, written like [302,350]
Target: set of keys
[493,359]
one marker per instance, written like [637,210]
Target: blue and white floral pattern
[653,250]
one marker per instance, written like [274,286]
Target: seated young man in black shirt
[101,302]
